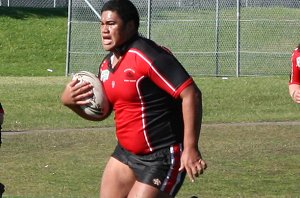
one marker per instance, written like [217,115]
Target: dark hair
[125,9]
[298,47]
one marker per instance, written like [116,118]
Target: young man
[158,110]
[294,83]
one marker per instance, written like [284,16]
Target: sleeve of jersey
[167,73]
[295,73]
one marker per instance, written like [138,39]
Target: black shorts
[159,169]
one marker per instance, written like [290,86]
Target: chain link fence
[209,37]
[34,3]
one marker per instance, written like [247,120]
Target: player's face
[113,30]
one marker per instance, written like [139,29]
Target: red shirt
[295,72]
[144,90]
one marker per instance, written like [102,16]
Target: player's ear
[130,26]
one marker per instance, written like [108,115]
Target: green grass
[243,161]
[32,41]
[34,102]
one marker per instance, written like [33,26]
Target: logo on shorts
[156,182]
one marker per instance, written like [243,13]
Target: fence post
[149,19]
[237,38]
[217,28]
[68,38]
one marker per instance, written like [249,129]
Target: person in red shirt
[294,82]
[157,107]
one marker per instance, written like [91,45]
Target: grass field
[32,41]
[248,140]
[250,136]
[244,161]
[33,102]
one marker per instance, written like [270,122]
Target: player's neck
[115,59]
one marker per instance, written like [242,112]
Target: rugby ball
[98,106]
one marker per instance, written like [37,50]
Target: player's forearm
[79,111]
[192,116]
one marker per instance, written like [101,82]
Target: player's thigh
[117,180]
[141,190]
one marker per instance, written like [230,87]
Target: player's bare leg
[117,180]
[140,190]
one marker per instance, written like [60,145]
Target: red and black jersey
[144,89]
[295,72]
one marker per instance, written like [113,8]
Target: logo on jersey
[129,75]
[298,61]
[104,75]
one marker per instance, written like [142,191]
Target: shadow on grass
[23,13]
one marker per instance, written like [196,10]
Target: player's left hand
[192,163]
[75,93]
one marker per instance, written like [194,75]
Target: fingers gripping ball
[99,106]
